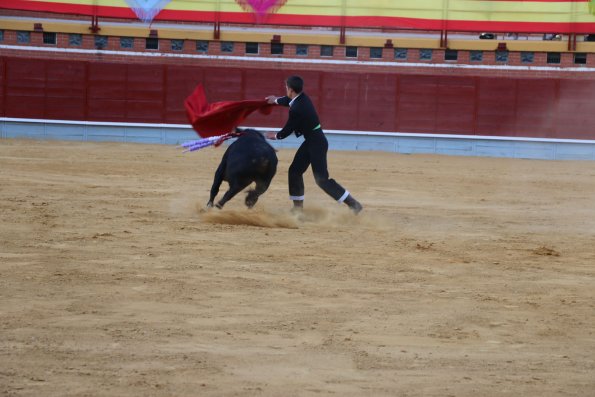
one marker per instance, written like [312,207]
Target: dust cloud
[315,215]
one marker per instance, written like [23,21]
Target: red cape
[210,119]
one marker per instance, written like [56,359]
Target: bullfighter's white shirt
[293,100]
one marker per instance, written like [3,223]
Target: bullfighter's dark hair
[295,83]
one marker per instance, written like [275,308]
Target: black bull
[249,159]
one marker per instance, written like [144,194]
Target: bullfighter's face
[289,92]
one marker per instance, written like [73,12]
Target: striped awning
[539,16]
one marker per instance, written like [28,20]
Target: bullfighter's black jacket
[303,119]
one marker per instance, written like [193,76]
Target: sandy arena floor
[461,277]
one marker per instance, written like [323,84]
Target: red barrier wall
[2,86]
[389,102]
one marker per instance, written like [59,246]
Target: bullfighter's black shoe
[298,207]
[353,204]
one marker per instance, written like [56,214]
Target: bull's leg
[219,177]
[261,186]
[234,188]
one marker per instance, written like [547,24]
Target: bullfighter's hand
[271,99]
[271,135]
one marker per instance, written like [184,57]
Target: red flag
[210,119]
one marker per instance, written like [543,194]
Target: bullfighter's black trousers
[313,152]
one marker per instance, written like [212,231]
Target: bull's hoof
[251,199]
[210,205]
[251,203]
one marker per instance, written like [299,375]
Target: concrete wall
[406,143]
